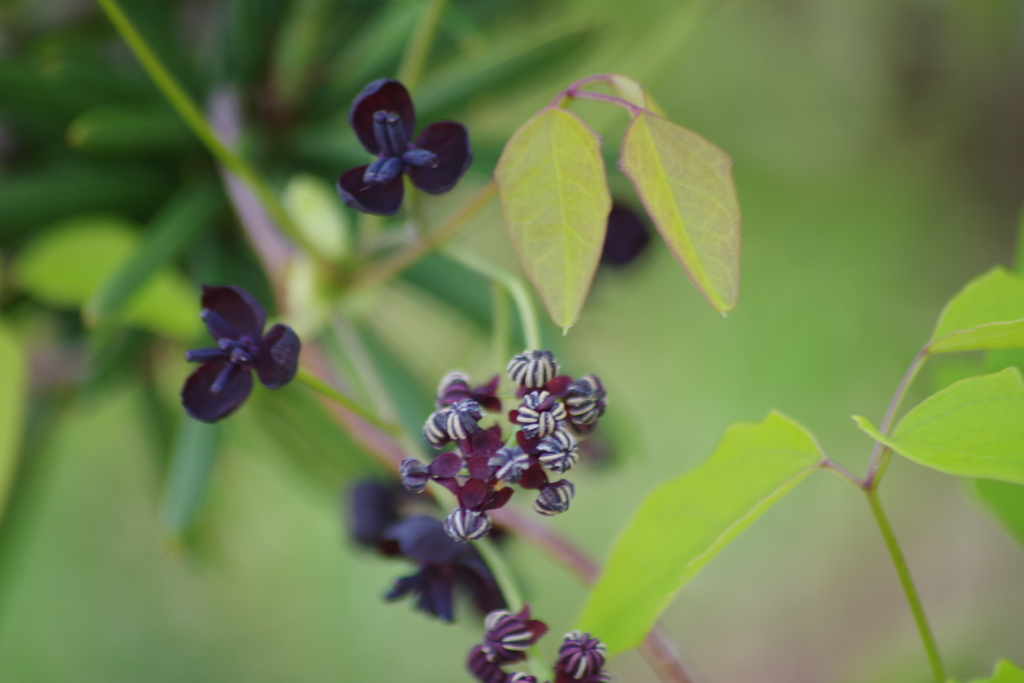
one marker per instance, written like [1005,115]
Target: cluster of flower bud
[554,410]
[507,637]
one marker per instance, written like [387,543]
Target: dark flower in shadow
[444,565]
[627,237]
[223,381]
[383,118]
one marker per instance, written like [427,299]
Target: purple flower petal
[201,404]
[446,465]
[382,95]
[278,359]
[450,142]
[626,238]
[236,307]
[373,508]
[380,199]
[424,538]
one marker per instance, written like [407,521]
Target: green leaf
[130,130]
[986,314]
[184,217]
[556,203]
[686,185]
[1005,672]
[195,452]
[1005,501]
[634,93]
[974,428]
[13,390]
[69,263]
[314,206]
[683,523]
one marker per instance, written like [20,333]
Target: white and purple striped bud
[435,431]
[509,463]
[461,419]
[506,637]
[581,656]
[586,400]
[559,452]
[554,498]
[467,525]
[415,475]
[532,368]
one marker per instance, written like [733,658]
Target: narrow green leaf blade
[556,202]
[686,185]
[1005,502]
[1005,672]
[988,313]
[683,523]
[974,428]
[195,451]
[13,389]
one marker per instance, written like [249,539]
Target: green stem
[880,454]
[318,385]
[415,58]
[908,586]
[511,282]
[513,598]
[195,120]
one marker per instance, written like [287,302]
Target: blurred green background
[879,159]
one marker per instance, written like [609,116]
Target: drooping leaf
[631,91]
[556,202]
[66,265]
[13,389]
[314,206]
[686,185]
[988,313]
[195,452]
[1005,501]
[184,217]
[1005,672]
[683,523]
[974,428]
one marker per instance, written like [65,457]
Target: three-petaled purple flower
[224,380]
[384,119]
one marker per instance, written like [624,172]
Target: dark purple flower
[508,636]
[627,237]
[455,387]
[445,565]
[580,657]
[384,119]
[373,508]
[223,381]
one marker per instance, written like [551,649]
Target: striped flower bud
[540,414]
[455,382]
[509,463]
[415,475]
[554,498]
[581,656]
[559,452]
[532,368]
[586,400]
[506,637]
[520,677]
[483,669]
[435,431]
[461,419]
[467,525]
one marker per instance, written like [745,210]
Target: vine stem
[393,265]
[195,120]
[908,585]
[414,60]
[318,385]
[575,91]
[880,453]
[509,280]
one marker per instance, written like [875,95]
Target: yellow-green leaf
[1005,672]
[313,205]
[634,93]
[683,523]
[686,185]
[13,387]
[556,202]
[988,313]
[974,428]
